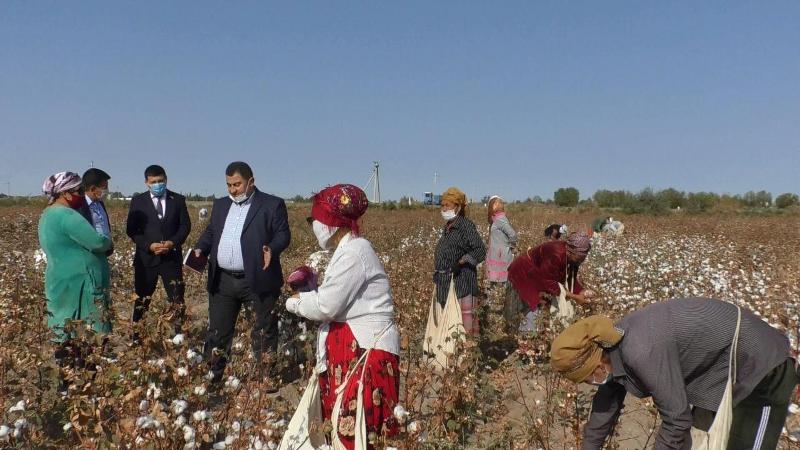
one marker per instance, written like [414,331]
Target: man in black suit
[244,240]
[158,223]
[95,187]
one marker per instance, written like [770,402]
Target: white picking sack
[717,436]
[304,431]
[439,343]
[563,310]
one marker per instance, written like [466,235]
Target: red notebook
[194,262]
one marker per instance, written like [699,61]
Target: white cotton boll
[414,427]
[179,406]
[67,426]
[153,391]
[143,405]
[236,426]
[4,429]
[229,439]
[179,422]
[189,446]
[219,445]
[20,406]
[161,434]
[200,390]
[794,409]
[400,414]
[144,422]
[193,356]
[188,433]
[182,371]
[272,446]
[200,415]
[178,339]
[139,441]
[232,382]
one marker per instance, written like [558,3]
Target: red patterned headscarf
[340,206]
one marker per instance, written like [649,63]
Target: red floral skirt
[381,386]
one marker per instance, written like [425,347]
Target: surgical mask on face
[241,198]
[608,379]
[323,232]
[158,189]
[449,214]
[76,201]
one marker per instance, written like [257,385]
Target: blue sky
[509,98]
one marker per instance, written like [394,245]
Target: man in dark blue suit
[158,223]
[95,187]
[243,242]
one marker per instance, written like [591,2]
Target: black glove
[456,268]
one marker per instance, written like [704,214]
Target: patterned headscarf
[340,206]
[578,350]
[60,182]
[579,244]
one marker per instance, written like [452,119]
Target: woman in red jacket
[536,274]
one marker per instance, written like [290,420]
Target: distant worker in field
[358,341]
[95,187]
[538,275]
[678,352]
[608,225]
[158,224]
[459,251]
[248,231]
[555,231]
[76,281]
[502,241]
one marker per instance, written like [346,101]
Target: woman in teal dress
[77,278]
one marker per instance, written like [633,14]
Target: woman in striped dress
[459,251]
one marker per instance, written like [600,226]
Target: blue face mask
[158,189]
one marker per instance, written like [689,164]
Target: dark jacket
[459,239]
[87,214]
[145,228]
[267,223]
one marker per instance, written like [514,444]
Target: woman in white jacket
[354,304]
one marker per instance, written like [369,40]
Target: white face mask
[449,214]
[608,378]
[241,198]
[323,232]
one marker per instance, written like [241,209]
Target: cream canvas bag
[304,431]
[439,342]
[717,436]
[564,310]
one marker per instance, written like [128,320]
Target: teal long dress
[77,278]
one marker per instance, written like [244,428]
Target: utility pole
[375,180]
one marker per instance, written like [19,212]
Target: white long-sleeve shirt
[356,291]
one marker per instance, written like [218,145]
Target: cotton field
[157,394]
